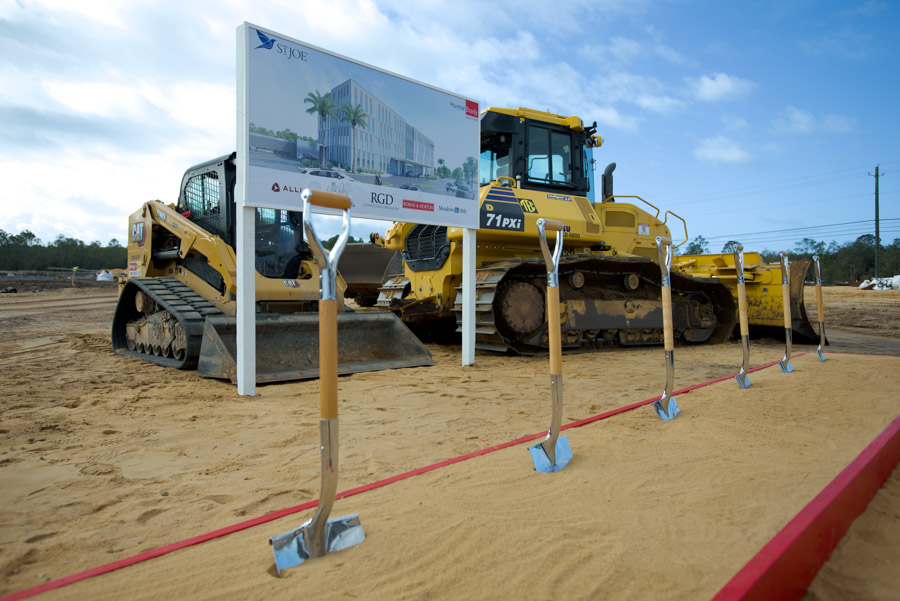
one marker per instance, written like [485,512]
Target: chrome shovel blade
[542,461]
[786,366]
[743,381]
[294,547]
[671,413]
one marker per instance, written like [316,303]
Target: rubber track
[189,309]
[488,279]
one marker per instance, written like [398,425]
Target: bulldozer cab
[539,151]
[206,198]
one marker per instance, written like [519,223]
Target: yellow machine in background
[537,164]
[765,306]
[177,306]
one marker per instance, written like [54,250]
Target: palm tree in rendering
[355,116]
[325,106]
[441,163]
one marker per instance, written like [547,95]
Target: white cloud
[838,124]
[720,149]
[734,122]
[796,121]
[719,87]
[659,104]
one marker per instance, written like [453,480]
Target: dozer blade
[766,309]
[287,346]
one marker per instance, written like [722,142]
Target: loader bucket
[287,346]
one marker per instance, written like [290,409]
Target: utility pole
[877,237]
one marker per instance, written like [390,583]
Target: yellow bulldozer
[536,164]
[178,304]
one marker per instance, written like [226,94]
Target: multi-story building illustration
[388,143]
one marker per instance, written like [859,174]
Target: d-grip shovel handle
[786,289]
[328,350]
[742,289]
[820,309]
[553,318]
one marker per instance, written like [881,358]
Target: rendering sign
[402,150]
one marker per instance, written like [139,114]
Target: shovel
[785,363]
[820,310]
[742,378]
[554,452]
[666,407]
[320,535]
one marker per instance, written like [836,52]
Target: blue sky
[755,121]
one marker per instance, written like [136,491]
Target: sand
[104,457]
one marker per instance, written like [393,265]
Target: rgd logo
[382,198]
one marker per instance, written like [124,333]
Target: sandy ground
[105,457]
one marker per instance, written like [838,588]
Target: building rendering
[387,143]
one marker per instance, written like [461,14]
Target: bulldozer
[177,305]
[536,164]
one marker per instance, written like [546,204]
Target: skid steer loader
[177,306]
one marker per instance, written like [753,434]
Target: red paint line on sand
[786,565]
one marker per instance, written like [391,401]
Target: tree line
[26,252]
[849,263]
[841,263]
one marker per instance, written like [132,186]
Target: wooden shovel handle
[742,309]
[554,225]
[819,305]
[786,299]
[553,322]
[331,200]
[328,359]
[668,329]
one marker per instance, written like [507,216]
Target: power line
[789,183]
[798,229]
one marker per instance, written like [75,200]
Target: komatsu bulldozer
[536,164]
[178,304]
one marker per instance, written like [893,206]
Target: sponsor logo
[137,233]
[281,49]
[470,108]
[279,188]
[558,197]
[267,42]
[451,209]
[382,198]
[418,205]
[133,269]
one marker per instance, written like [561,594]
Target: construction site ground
[104,457]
